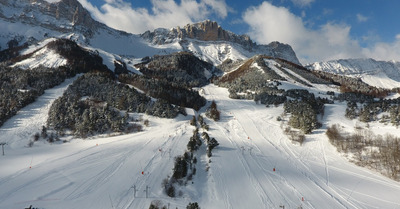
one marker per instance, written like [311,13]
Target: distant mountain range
[383,74]
[26,21]
[30,22]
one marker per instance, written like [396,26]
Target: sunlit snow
[44,57]
[255,166]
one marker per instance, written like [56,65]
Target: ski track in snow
[101,173]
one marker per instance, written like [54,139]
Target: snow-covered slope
[255,165]
[375,73]
[44,57]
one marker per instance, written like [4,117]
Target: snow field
[314,171]
[255,165]
[95,173]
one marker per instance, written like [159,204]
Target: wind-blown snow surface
[101,173]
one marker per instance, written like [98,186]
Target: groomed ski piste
[255,165]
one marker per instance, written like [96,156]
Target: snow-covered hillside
[255,165]
[381,74]
[43,57]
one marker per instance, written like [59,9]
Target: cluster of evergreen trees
[303,116]
[194,141]
[158,204]
[304,108]
[210,142]
[171,92]
[271,95]
[228,64]
[183,69]
[383,110]
[93,104]
[183,171]
[212,111]
[354,97]
[248,80]
[171,78]
[185,165]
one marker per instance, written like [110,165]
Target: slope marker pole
[134,190]
[147,191]
[2,146]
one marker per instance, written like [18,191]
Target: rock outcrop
[203,31]
[211,31]
[63,16]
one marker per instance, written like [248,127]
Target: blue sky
[318,30]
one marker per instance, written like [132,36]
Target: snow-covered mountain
[211,42]
[31,21]
[383,74]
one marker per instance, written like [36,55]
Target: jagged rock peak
[73,11]
[209,31]
[204,31]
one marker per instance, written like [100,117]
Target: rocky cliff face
[202,31]
[63,16]
[210,31]
[73,11]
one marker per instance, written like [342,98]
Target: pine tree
[194,205]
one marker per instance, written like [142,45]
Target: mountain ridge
[34,21]
[384,74]
[210,31]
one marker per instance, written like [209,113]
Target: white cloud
[331,41]
[164,13]
[302,3]
[361,18]
[385,51]
[219,6]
